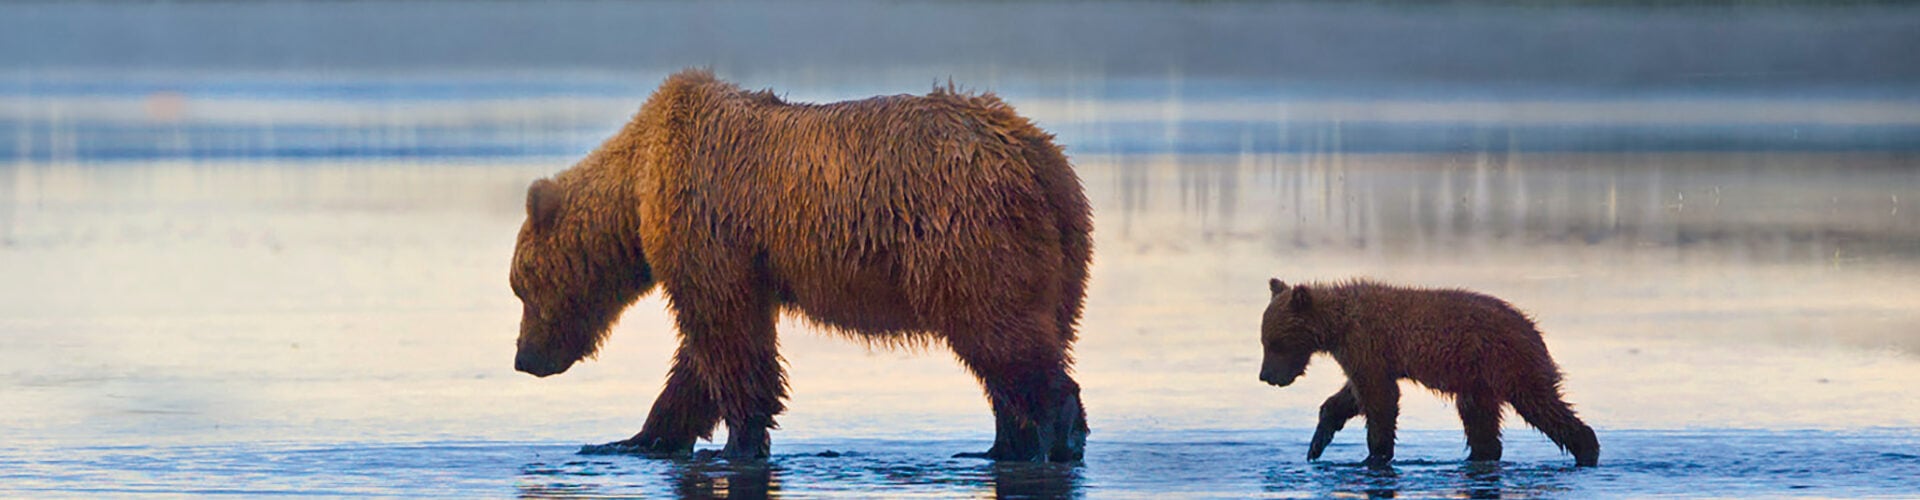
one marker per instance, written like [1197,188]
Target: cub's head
[1288,332]
[574,274]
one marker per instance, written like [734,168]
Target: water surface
[1733,324]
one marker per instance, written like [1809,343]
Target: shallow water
[1220,464]
[272,327]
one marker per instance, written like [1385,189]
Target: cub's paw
[1321,438]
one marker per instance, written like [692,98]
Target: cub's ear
[544,198]
[1301,300]
[1276,286]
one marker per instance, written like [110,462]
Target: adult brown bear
[1475,347]
[897,220]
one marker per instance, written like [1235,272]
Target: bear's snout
[1276,379]
[1279,372]
[537,365]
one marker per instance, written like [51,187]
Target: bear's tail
[1546,411]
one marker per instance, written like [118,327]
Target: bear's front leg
[1334,414]
[727,322]
[750,385]
[1380,402]
[684,413]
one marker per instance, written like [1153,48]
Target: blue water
[1211,464]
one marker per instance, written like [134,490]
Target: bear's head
[575,267]
[1288,333]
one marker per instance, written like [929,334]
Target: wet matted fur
[1477,348]
[898,220]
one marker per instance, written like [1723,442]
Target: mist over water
[246,250]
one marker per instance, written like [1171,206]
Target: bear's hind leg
[1005,424]
[684,413]
[1071,424]
[1545,410]
[1334,414]
[1007,427]
[1037,411]
[1480,415]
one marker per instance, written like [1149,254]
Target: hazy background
[1599,45]
[261,247]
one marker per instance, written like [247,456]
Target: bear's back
[1420,318]
[1448,339]
[899,196]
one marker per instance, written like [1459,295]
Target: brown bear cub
[1475,347]
[904,220]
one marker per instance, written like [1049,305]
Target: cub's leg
[684,413]
[1334,414]
[1480,415]
[1543,409]
[1380,402]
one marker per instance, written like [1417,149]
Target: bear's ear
[1301,301]
[543,202]
[1276,286]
